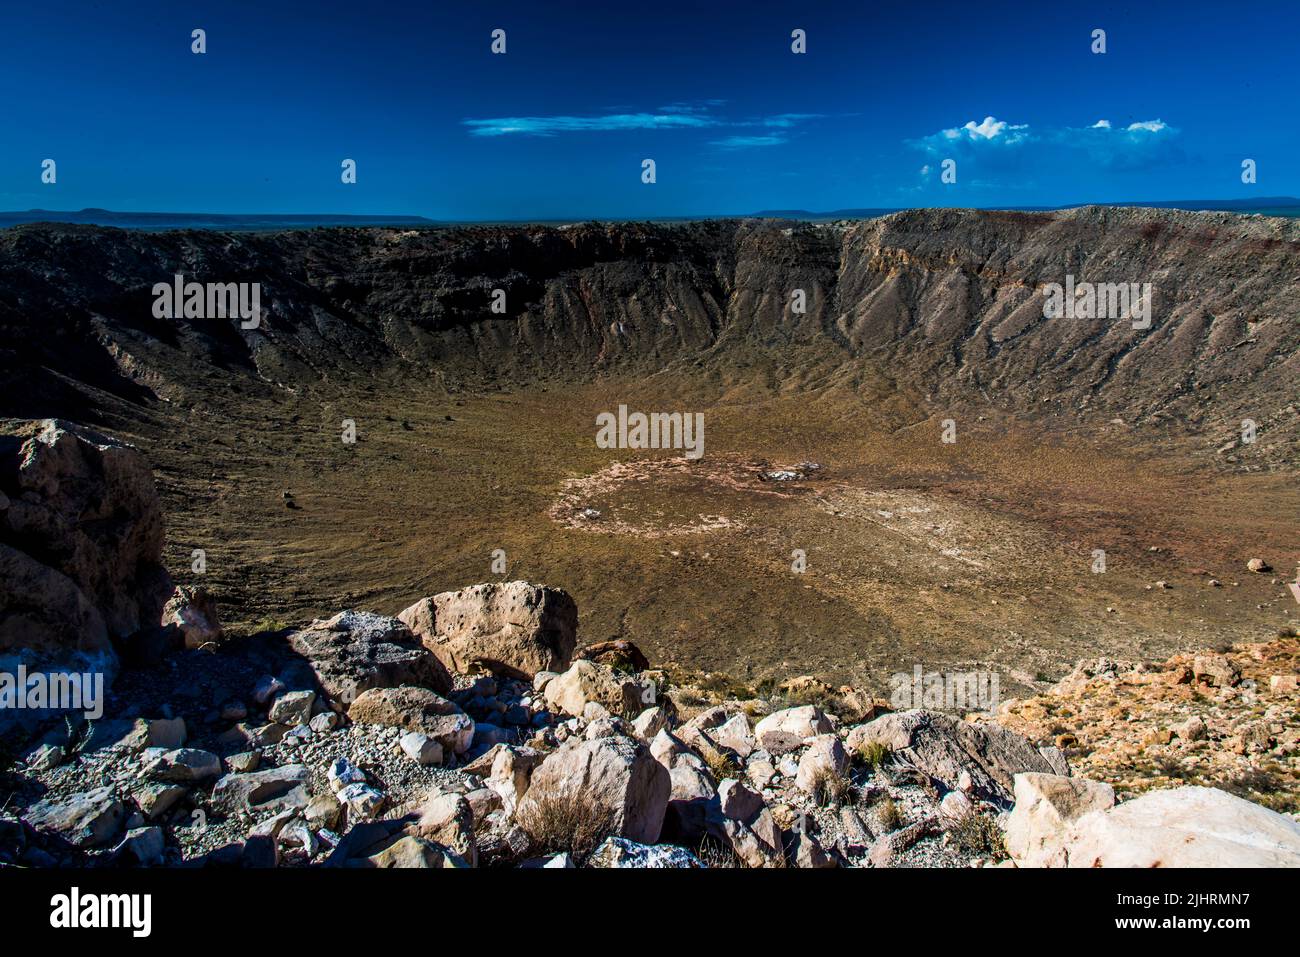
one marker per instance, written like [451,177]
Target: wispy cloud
[1136,145]
[1002,143]
[674,116]
[554,125]
[747,142]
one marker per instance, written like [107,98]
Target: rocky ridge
[946,304]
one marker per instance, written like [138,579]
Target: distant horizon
[113,217]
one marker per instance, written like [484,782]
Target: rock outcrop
[1046,806]
[81,536]
[945,748]
[1184,827]
[616,775]
[514,629]
[356,650]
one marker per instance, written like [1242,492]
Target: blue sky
[558,126]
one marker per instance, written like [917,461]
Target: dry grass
[558,823]
[889,816]
[978,834]
[723,764]
[714,853]
[873,755]
[830,788]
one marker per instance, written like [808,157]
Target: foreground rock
[1046,806]
[514,629]
[1184,827]
[616,776]
[81,536]
[356,650]
[588,682]
[262,792]
[88,820]
[194,612]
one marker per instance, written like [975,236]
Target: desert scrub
[830,788]
[978,834]
[889,816]
[872,755]
[724,686]
[560,823]
[723,764]
[714,853]
[1273,785]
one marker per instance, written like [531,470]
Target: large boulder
[515,629]
[357,650]
[789,729]
[590,682]
[749,825]
[1184,827]
[81,537]
[416,709]
[824,758]
[943,747]
[617,774]
[1046,806]
[447,820]
[692,811]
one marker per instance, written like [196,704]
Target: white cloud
[989,131]
[1149,126]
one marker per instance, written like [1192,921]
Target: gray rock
[943,747]
[183,766]
[145,844]
[421,748]
[90,819]
[155,800]
[292,708]
[355,651]
[263,792]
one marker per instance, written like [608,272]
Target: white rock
[421,749]
[363,801]
[650,722]
[292,708]
[825,755]
[1184,827]
[798,725]
[1046,805]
